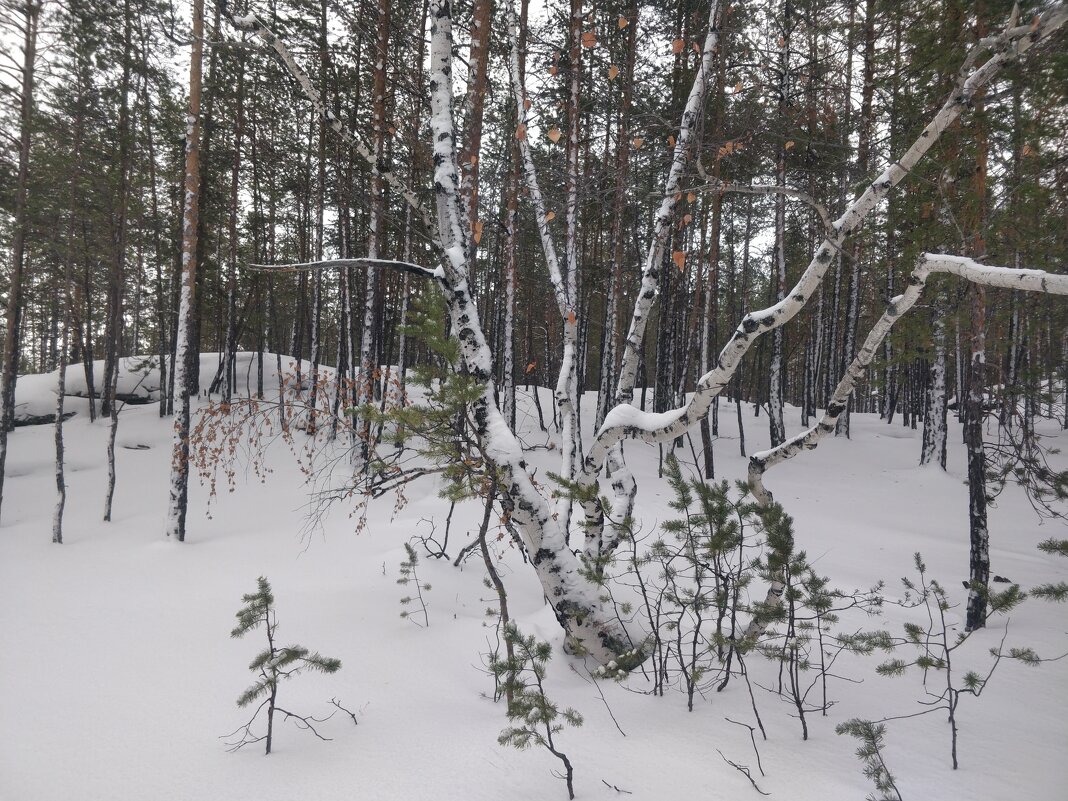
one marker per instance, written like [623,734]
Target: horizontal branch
[250,23]
[960,266]
[769,189]
[389,264]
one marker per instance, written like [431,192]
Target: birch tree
[570,581]
[179,483]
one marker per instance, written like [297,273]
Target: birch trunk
[179,482]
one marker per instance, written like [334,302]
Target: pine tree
[535,717]
[273,664]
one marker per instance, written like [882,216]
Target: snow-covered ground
[119,674]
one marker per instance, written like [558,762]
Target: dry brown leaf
[1028,150]
[782,42]
[637,141]
[531,366]
[527,104]
[613,72]
[521,132]
[589,39]
[671,140]
[477,233]
[623,23]
[677,45]
[553,70]
[789,144]
[550,216]
[554,134]
[738,86]
[571,318]
[687,219]
[679,257]
[690,197]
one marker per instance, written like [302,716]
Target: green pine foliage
[272,665]
[870,751]
[1053,591]
[536,720]
[409,575]
[437,424]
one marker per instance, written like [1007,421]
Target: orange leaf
[589,39]
[671,140]
[738,86]
[623,23]
[677,45]
[550,216]
[679,257]
[521,132]
[571,318]
[477,236]
[690,197]
[531,366]
[789,145]
[637,141]
[554,134]
[613,72]
[686,219]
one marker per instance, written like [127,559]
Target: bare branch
[962,267]
[770,189]
[254,25]
[402,266]
[625,421]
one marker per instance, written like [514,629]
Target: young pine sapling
[272,665]
[534,717]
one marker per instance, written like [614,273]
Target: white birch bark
[627,422]
[179,481]
[960,266]
[934,421]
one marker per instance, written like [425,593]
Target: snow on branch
[250,23]
[960,266]
[662,427]
[389,264]
[654,428]
[681,157]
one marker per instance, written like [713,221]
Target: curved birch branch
[969,270]
[625,421]
[680,160]
[250,23]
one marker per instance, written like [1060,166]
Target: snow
[121,674]
[35,395]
